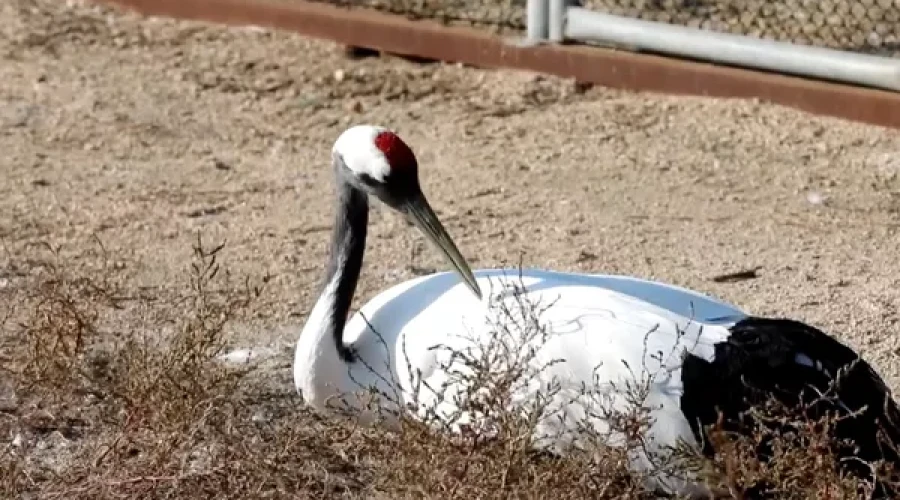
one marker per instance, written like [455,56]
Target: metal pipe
[536,20]
[556,20]
[584,24]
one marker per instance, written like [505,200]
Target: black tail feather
[801,367]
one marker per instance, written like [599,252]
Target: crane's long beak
[423,217]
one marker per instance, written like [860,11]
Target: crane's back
[597,312]
[442,297]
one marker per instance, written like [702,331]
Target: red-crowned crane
[704,355]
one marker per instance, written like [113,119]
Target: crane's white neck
[319,371]
[321,358]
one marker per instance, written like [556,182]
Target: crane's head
[376,161]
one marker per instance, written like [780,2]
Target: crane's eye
[367,179]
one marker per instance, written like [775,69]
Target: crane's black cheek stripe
[367,179]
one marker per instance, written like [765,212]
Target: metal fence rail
[559,21]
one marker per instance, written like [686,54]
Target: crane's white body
[604,332]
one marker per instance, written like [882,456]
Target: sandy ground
[139,133]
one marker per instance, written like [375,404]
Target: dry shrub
[75,380]
[790,452]
[168,382]
[64,310]
[151,413]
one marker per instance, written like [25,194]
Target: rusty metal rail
[616,69]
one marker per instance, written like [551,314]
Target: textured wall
[859,25]
[497,15]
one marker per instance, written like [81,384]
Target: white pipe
[536,20]
[556,20]
[584,24]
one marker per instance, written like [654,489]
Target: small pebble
[55,440]
[355,107]
[39,419]
[815,198]
[260,416]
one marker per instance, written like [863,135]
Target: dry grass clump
[785,453]
[110,391]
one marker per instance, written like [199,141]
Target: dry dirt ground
[123,137]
